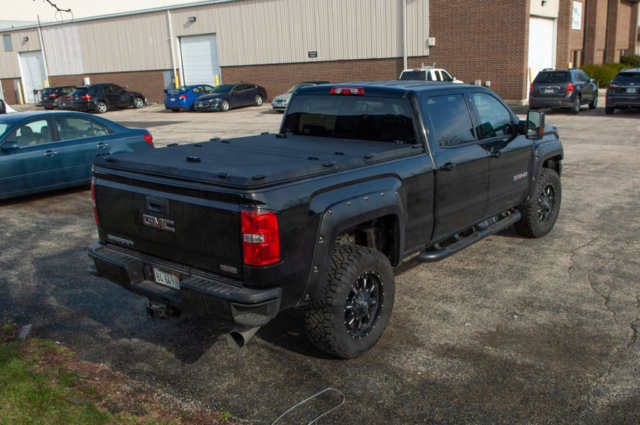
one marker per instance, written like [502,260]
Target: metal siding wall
[62,47]
[262,32]
[9,67]
[127,43]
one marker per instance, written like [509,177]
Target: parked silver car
[281,101]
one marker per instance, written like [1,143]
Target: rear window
[48,91]
[552,77]
[628,77]
[80,91]
[351,117]
[414,75]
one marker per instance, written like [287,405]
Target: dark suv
[624,91]
[563,88]
[51,95]
[102,97]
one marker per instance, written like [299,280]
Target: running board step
[434,254]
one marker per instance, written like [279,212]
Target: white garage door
[200,59]
[32,73]
[541,44]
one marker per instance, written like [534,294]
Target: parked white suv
[428,74]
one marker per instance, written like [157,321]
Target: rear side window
[628,77]
[414,75]
[80,91]
[552,77]
[351,117]
[73,128]
[451,119]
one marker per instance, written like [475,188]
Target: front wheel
[224,105]
[356,305]
[594,103]
[138,102]
[575,108]
[540,212]
[258,100]
[101,107]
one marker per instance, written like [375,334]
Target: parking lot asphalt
[510,330]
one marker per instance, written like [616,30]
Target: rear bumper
[85,105]
[551,102]
[622,101]
[201,293]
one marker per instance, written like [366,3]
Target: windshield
[628,77]
[222,89]
[297,86]
[552,77]
[351,117]
[414,75]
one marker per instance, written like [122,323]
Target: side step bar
[436,253]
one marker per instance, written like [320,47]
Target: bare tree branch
[56,7]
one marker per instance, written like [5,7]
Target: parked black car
[100,98]
[563,88]
[228,96]
[624,91]
[51,95]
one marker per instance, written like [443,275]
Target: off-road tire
[594,103]
[575,108]
[531,225]
[326,319]
[608,110]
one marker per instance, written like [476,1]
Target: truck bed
[255,161]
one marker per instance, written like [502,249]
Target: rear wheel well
[381,234]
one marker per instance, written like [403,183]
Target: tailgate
[197,228]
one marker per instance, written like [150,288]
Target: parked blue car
[42,151]
[182,99]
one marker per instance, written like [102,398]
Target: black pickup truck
[360,177]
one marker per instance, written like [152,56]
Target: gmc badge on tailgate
[158,223]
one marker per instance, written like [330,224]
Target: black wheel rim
[364,304]
[546,203]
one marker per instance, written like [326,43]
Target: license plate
[168,279]
[200,104]
[548,91]
[173,99]
[631,90]
[278,104]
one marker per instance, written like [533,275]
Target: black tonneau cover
[257,160]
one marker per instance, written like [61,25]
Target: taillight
[148,138]
[349,91]
[614,86]
[570,87]
[260,238]
[183,97]
[86,97]
[53,95]
[93,199]
[530,88]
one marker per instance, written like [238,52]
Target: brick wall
[9,91]
[150,83]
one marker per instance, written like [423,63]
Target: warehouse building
[278,43]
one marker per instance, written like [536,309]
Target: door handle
[50,153]
[448,166]
[496,154]
[102,145]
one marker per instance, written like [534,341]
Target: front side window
[33,133]
[495,119]
[451,120]
[71,128]
[351,117]
[446,77]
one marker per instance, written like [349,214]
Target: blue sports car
[182,99]
[42,151]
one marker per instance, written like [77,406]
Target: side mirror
[10,146]
[454,79]
[535,125]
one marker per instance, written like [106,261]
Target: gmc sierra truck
[360,177]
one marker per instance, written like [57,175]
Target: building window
[8,47]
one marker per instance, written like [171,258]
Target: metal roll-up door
[200,59]
[541,44]
[33,75]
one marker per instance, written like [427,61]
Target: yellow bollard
[176,81]
[217,80]
[46,84]
[570,65]
[20,94]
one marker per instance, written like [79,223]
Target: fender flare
[347,207]
[542,152]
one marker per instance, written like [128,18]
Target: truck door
[510,153]
[462,164]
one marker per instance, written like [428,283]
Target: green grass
[31,395]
